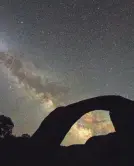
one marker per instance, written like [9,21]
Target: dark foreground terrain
[44,146]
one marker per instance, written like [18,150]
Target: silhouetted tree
[6,126]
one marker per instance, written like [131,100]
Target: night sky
[81,48]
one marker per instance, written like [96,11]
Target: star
[42,31]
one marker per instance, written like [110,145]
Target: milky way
[65,51]
[31,80]
[48,95]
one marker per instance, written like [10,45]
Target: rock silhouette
[43,147]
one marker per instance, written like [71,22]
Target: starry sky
[84,46]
